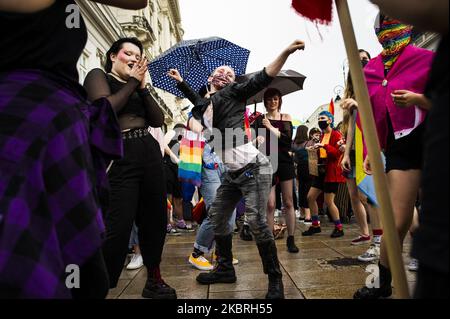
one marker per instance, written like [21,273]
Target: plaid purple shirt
[54,149]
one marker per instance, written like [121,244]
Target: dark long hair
[302,135]
[117,46]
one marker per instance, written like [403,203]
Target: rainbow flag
[191,155]
[365,182]
[331,107]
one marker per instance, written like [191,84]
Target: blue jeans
[211,181]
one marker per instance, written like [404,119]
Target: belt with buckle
[134,133]
[238,173]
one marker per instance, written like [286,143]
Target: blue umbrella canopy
[196,60]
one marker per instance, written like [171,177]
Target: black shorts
[285,172]
[328,188]
[405,153]
[173,183]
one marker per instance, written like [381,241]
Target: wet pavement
[325,268]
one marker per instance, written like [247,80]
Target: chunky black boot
[223,272]
[292,248]
[384,291]
[156,288]
[271,265]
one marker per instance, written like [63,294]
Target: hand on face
[138,71]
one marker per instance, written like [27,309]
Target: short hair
[329,115]
[117,46]
[313,131]
[271,92]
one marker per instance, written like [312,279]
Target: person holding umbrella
[250,172]
[277,126]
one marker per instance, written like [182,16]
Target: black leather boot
[271,265]
[384,291]
[156,287]
[223,272]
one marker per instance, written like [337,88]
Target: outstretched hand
[296,45]
[175,74]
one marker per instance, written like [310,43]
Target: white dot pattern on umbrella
[196,60]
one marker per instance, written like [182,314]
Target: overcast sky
[266,27]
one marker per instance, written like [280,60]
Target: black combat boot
[223,272]
[271,265]
[384,291]
[156,288]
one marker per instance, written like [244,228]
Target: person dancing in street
[250,172]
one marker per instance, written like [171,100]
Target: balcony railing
[142,28]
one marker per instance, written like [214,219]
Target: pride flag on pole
[191,154]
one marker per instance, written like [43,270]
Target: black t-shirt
[43,40]
[431,241]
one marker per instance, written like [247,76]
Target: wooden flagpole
[390,237]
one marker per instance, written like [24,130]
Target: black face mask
[364,63]
[323,125]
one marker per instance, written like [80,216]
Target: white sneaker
[372,254]
[136,262]
[297,214]
[413,265]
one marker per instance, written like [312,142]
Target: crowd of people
[87,173]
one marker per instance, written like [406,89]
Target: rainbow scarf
[394,36]
[191,154]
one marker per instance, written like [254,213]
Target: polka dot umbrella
[196,60]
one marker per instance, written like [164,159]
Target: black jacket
[229,104]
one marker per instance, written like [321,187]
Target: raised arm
[275,67]
[97,87]
[263,79]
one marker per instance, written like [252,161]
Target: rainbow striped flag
[191,158]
